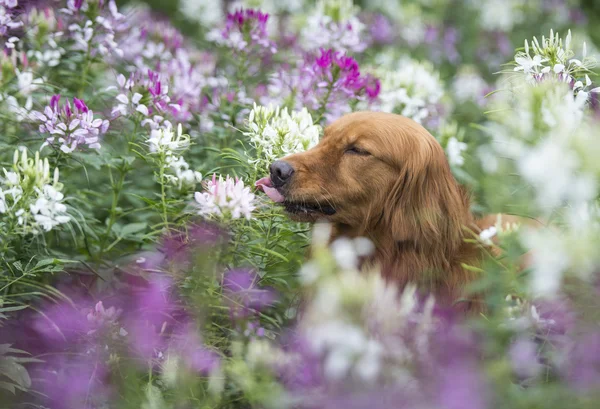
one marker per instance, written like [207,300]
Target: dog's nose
[281,172]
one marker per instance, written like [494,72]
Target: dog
[385,177]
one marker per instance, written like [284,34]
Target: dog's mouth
[295,207]
[303,208]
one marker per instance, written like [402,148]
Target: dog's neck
[432,269]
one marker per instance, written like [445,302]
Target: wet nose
[281,172]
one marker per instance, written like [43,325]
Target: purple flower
[523,358]
[6,17]
[243,293]
[382,30]
[147,94]
[188,344]
[582,363]
[74,381]
[70,127]
[245,30]
[332,81]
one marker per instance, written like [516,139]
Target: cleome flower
[331,81]
[69,126]
[168,146]
[275,133]
[245,29]
[225,198]
[334,25]
[553,59]
[413,89]
[31,201]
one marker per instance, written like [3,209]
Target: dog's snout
[281,172]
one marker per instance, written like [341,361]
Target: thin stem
[112,218]
[163,196]
[86,69]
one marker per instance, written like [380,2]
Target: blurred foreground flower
[226,198]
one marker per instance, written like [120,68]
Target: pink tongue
[266,186]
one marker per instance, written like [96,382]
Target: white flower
[549,260]
[48,210]
[454,150]
[486,235]
[164,140]
[334,24]
[276,133]
[227,197]
[499,15]
[553,58]
[31,196]
[206,12]
[413,89]
[26,83]
[468,85]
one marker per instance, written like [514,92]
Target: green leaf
[45,262]
[132,228]
[15,372]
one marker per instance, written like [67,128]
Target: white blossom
[225,198]
[413,89]
[334,24]
[31,196]
[276,133]
[454,150]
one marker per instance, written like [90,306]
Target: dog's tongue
[266,186]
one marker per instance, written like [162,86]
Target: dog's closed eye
[355,150]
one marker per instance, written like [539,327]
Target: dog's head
[369,169]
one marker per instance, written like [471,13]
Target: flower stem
[86,69]
[323,106]
[163,196]
[112,218]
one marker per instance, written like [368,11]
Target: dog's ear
[427,206]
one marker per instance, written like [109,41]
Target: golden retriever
[384,177]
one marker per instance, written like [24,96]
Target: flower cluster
[31,200]
[553,58]
[168,146]
[69,126]
[245,30]
[332,80]
[276,133]
[412,89]
[95,36]
[334,25]
[225,198]
[6,18]
[468,85]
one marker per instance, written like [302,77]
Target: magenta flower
[245,30]
[70,127]
[147,94]
[243,293]
[332,82]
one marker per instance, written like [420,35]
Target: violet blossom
[6,17]
[145,93]
[332,80]
[70,126]
[245,30]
